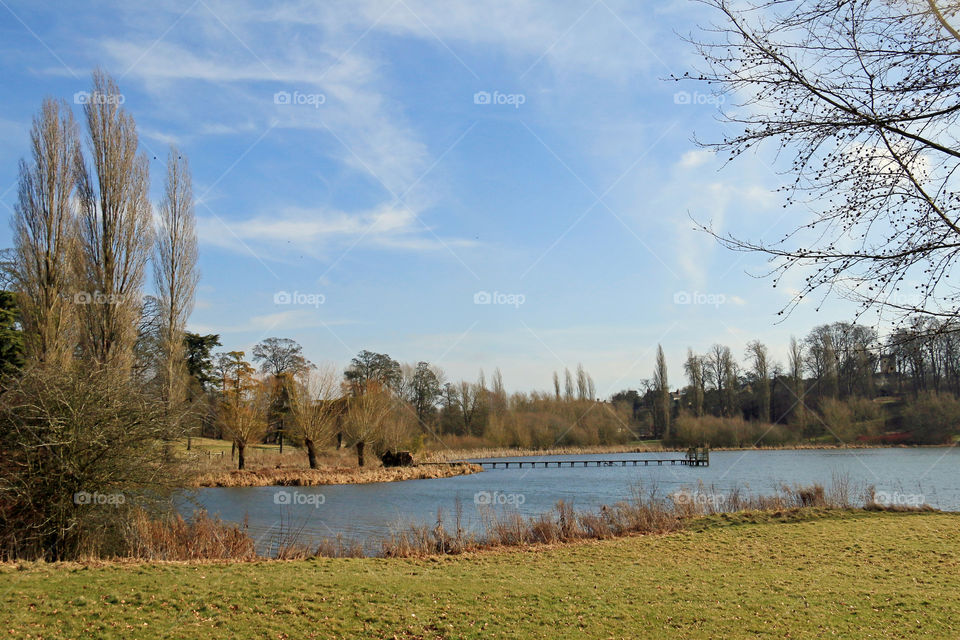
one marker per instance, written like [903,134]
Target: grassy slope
[862,575]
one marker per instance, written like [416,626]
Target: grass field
[852,575]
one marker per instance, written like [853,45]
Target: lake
[367,512]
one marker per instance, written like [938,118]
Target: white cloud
[314,230]
[289,320]
[694,158]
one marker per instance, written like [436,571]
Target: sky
[473,184]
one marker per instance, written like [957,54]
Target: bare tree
[693,367]
[758,355]
[115,228]
[661,389]
[865,98]
[315,409]
[795,360]
[582,385]
[44,226]
[243,415]
[175,276]
[280,356]
[367,416]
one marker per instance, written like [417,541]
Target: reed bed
[448,455]
[294,477]
[647,512]
[174,538]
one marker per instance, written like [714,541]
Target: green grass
[854,575]
[214,445]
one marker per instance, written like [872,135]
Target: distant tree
[583,386]
[236,374]
[757,354]
[723,375]
[281,359]
[795,364]
[315,408]
[693,367]
[628,398]
[498,395]
[822,361]
[662,402]
[199,355]
[243,415]
[567,385]
[279,356]
[367,367]
[366,417]
[469,400]
[422,389]
[556,385]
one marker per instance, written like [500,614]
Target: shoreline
[483,453]
[265,477]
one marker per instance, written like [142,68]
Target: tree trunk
[188,442]
[240,450]
[233,449]
[360,447]
[339,440]
[311,452]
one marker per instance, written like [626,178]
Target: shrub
[80,450]
[688,431]
[932,417]
[849,419]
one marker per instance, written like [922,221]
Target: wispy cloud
[316,231]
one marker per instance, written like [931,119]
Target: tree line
[838,374]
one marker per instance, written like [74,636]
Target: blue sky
[356,189]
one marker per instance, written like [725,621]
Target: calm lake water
[368,512]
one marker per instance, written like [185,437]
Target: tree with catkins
[864,98]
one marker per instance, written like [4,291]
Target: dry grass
[174,538]
[448,455]
[647,512]
[302,477]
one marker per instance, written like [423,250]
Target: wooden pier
[695,457]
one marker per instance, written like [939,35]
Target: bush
[690,431]
[932,417]
[80,450]
[849,419]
